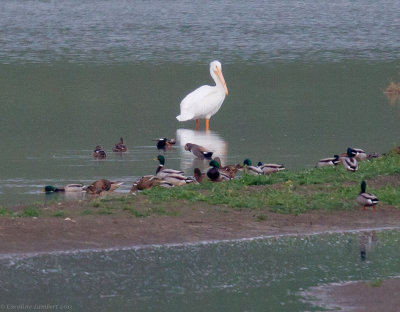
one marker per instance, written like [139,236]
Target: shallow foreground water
[257,275]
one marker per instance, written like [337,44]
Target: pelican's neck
[218,82]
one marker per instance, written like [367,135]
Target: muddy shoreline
[199,222]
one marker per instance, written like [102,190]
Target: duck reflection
[366,242]
[211,140]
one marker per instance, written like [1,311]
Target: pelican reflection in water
[208,139]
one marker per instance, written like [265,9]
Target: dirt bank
[194,222]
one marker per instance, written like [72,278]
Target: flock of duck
[165,177]
[203,103]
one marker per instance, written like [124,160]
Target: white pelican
[205,101]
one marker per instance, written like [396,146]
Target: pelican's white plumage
[205,101]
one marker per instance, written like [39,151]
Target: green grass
[59,213]
[328,188]
[375,283]
[30,212]
[5,212]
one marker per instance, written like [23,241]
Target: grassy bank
[328,188]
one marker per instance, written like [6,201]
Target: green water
[305,81]
[258,275]
[52,117]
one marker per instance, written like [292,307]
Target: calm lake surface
[306,80]
[257,275]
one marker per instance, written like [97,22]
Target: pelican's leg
[207,124]
[197,124]
[364,208]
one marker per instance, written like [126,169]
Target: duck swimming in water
[198,151]
[165,144]
[99,153]
[67,188]
[120,146]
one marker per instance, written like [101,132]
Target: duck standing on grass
[99,153]
[198,151]
[366,199]
[349,161]
[120,147]
[331,161]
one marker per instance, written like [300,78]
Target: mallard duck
[250,169]
[165,143]
[198,175]
[99,152]
[215,174]
[177,179]
[67,188]
[198,151]
[331,161]
[366,199]
[359,153]
[349,161]
[120,146]
[270,168]
[162,172]
[205,101]
[145,182]
[103,185]
[230,169]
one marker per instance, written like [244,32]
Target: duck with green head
[349,161]
[366,199]
[161,171]
[250,169]
[215,174]
[67,188]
